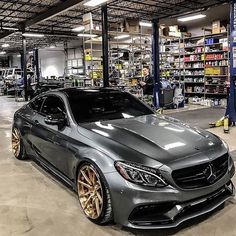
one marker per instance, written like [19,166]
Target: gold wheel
[16,142]
[90,192]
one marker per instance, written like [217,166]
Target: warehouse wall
[16,61]
[198,30]
[52,62]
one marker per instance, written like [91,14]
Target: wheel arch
[104,163]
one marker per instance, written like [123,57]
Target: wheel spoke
[91,176]
[99,197]
[84,184]
[85,194]
[86,177]
[15,135]
[90,191]
[97,206]
[15,144]
[87,201]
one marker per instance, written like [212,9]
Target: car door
[28,113]
[50,141]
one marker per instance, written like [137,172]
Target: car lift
[230,116]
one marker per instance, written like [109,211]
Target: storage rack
[171,59]
[206,63]
[127,71]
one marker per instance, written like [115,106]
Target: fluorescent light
[33,35]
[78,29]
[87,35]
[6,45]
[18,55]
[52,46]
[10,28]
[193,17]
[145,24]
[122,36]
[2,53]
[94,3]
[30,52]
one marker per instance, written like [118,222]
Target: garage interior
[56,44]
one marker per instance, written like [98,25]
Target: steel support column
[105,46]
[24,67]
[156,61]
[36,63]
[231,108]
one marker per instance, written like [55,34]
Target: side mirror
[56,119]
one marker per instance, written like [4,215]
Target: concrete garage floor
[33,203]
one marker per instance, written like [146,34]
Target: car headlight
[141,175]
[225,144]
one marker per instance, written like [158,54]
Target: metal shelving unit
[206,56]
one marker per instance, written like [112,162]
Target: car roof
[76,91]
[70,91]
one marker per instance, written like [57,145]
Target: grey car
[127,164]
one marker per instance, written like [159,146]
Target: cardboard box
[131,26]
[88,21]
[216,27]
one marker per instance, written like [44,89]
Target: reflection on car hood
[161,138]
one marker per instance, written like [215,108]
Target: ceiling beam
[52,12]
[5,34]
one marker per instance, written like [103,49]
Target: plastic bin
[166,98]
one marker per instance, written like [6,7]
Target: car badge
[210,175]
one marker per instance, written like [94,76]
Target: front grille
[201,175]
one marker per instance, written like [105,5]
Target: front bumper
[145,208]
[179,212]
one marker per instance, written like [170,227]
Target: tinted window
[52,105]
[36,104]
[94,106]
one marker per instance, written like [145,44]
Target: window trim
[54,95]
[30,104]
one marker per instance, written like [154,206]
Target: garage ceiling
[56,18]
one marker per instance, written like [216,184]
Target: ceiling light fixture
[33,35]
[2,53]
[123,36]
[52,46]
[10,28]
[87,35]
[94,3]
[6,45]
[145,24]
[78,29]
[193,17]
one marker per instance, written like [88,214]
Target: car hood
[162,138]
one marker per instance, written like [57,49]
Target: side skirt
[54,172]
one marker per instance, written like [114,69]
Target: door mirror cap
[56,119]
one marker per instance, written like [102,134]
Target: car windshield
[94,105]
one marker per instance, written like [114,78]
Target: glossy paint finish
[155,141]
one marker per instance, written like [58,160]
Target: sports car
[127,164]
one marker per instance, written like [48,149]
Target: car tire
[94,195]
[17,145]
